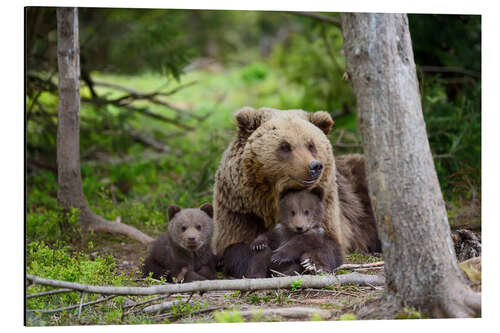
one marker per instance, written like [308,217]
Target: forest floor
[228,306]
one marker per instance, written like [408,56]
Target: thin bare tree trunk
[420,265]
[70,191]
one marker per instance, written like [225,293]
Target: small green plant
[181,308]
[316,317]
[253,298]
[281,297]
[348,316]
[295,285]
[228,317]
[341,271]
[409,313]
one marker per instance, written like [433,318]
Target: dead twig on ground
[354,266]
[292,312]
[71,307]
[50,292]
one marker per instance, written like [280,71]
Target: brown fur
[183,252]
[273,153]
[297,236]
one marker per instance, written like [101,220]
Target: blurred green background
[158,90]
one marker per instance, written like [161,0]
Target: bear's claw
[257,246]
[310,267]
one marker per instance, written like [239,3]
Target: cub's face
[191,228]
[299,211]
[288,151]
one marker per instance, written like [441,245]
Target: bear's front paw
[280,257]
[258,245]
[311,265]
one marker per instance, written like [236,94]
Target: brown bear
[276,151]
[183,252]
[290,243]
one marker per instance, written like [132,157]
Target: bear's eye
[198,227]
[306,212]
[285,147]
[293,213]
[183,228]
[311,147]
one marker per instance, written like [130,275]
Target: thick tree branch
[308,281]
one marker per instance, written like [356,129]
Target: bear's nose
[299,229]
[191,239]
[315,168]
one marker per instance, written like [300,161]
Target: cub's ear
[208,208]
[319,192]
[248,119]
[322,119]
[172,210]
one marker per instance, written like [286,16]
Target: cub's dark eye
[293,213]
[285,147]
[306,212]
[311,146]
[183,228]
[198,227]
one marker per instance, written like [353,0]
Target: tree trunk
[420,265]
[69,179]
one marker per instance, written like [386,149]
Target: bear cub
[291,243]
[183,253]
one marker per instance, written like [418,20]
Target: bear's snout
[315,169]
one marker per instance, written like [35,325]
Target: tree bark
[420,265]
[70,191]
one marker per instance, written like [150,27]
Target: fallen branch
[50,292]
[308,281]
[354,266]
[145,302]
[71,307]
[97,223]
[171,316]
[292,312]
[159,307]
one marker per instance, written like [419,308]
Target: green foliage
[454,129]
[409,313]
[312,60]
[359,258]
[254,73]
[348,316]
[228,317]
[295,285]
[316,317]
[180,308]
[61,263]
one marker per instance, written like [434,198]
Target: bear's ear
[248,119]
[319,192]
[172,210]
[322,119]
[208,208]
